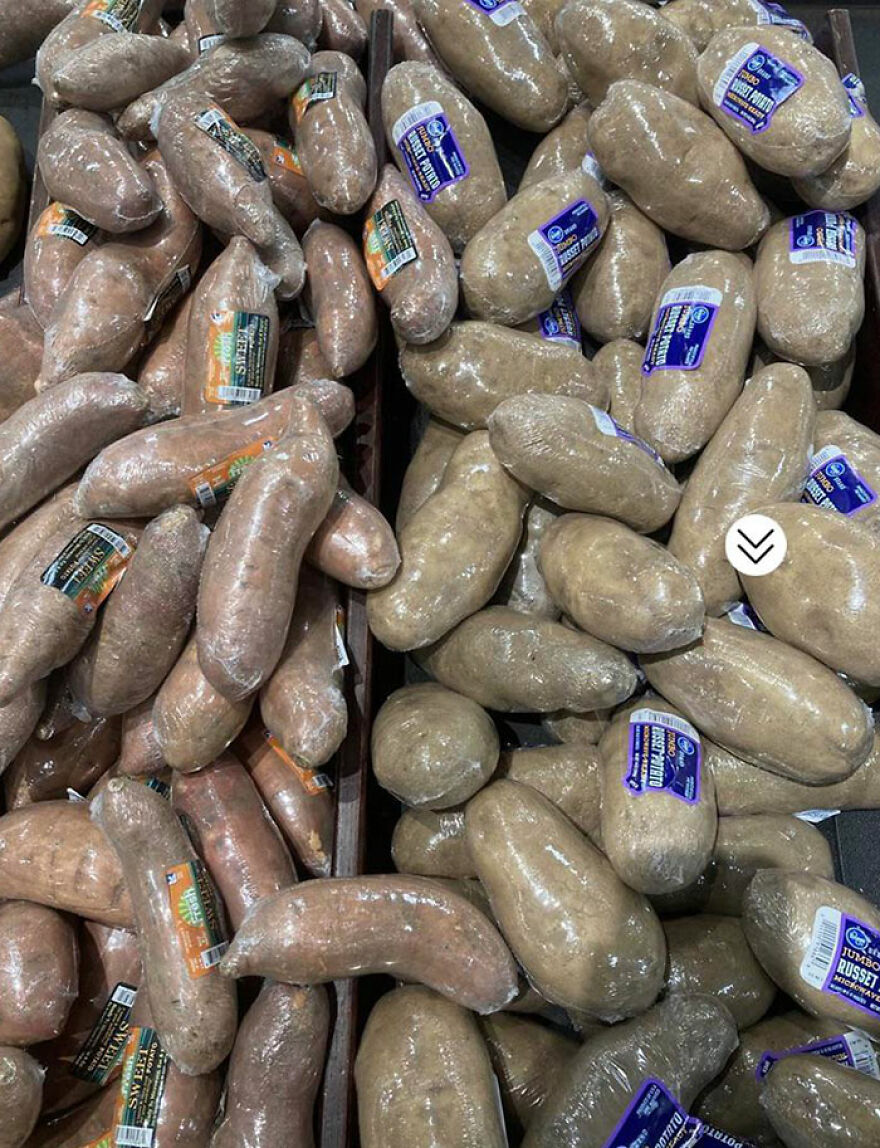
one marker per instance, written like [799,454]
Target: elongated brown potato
[180,925]
[74,759]
[21,1087]
[58,243]
[112,71]
[407,926]
[39,970]
[340,298]
[355,543]
[806,1096]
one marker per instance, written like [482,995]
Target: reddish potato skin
[21,1086]
[52,854]
[39,964]
[234,834]
[50,261]
[139,753]
[81,1126]
[340,298]
[290,189]
[355,543]
[74,759]
[22,339]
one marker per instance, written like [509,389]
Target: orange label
[312,780]
[285,155]
[217,482]
[388,244]
[89,566]
[196,917]
[120,15]
[105,1141]
[238,342]
[64,223]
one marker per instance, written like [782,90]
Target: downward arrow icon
[754,546]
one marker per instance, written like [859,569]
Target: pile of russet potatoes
[624,937]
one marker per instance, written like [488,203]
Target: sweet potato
[139,753]
[354,544]
[112,71]
[22,339]
[161,372]
[290,189]
[56,246]
[339,298]
[72,760]
[38,972]
[24,29]
[342,29]
[21,1087]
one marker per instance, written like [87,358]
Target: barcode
[733,66]
[239,394]
[547,256]
[65,231]
[321,781]
[136,1137]
[205,494]
[207,42]
[399,261]
[506,14]
[213,956]
[116,540]
[693,294]
[668,721]
[414,117]
[816,965]
[124,995]
[863,1054]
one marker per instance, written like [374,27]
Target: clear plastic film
[855,174]
[22,339]
[58,243]
[343,29]
[523,587]
[567,775]
[701,19]
[21,1087]
[340,298]
[354,544]
[571,728]
[562,149]
[431,844]
[39,969]
[75,759]
[529,1058]
[810,1100]
[112,71]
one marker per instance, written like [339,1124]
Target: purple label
[743,614]
[835,485]
[499,11]
[822,237]
[852,1049]
[682,328]
[608,426]
[664,756]
[770,13]
[565,241]
[560,322]
[652,1118]
[855,89]
[754,85]
[844,960]
[430,150]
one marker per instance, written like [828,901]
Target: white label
[208,42]
[590,166]
[826,454]
[604,422]
[547,255]
[816,816]
[123,995]
[415,116]
[730,70]
[668,721]
[692,295]
[816,965]
[116,540]
[342,658]
[72,795]
[863,1054]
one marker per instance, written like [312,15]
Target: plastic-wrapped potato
[577,456]
[697,353]
[615,292]
[340,298]
[528,1057]
[852,487]
[21,1090]
[426,469]
[677,166]
[112,71]
[777,97]
[342,29]
[619,586]
[701,19]
[806,1097]
[809,279]
[567,775]
[58,243]
[576,728]
[620,364]
[26,26]
[521,664]
[748,691]
[474,366]
[290,189]
[523,587]
[22,338]
[855,174]
[432,844]
[607,40]
[442,143]
[561,150]
[759,453]
[514,267]
[410,42]
[12,187]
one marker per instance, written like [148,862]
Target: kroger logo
[805,241]
[436,129]
[756,63]
[700,314]
[858,938]
[555,234]
[551,326]
[687,747]
[836,469]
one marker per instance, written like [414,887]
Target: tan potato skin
[575,728]
[143,627]
[196,1017]
[561,150]
[656,842]
[237,281]
[21,1085]
[18,718]
[150,471]
[528,1058]
[834,623]
[824,331]
[861,446]
[620,586]
[733,671]
[567,775]
[161,371]
[275,1070]
[701,19]
[677,166]
[49,264]
[355,543]
[554,444]
[234,834]
[760,453]
[39,963]
[474,366]
[409,927]
[192,722]
[290,189]
[583,938]
[139,753]
[53,434]
[614,294]
[502,279]
[423,1073]
[619,363]
[767,841]
[806,1096]
[84,164]
[426,469]
[340,297]
[51,853]
[306,817]
[248,586]
[423,294]
[303,701]
[90,77]
[680,410]
[509,67]
[709,955]
[23,342]
[333,139]
[41,628]
[809,130]
[432,748]
[73,759]
[518,663]
[855,174]
[606,40]
[454,550]
[732,1102]
[683,1041]
[463,207]
[108,957]
[779,909]
[431,844]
